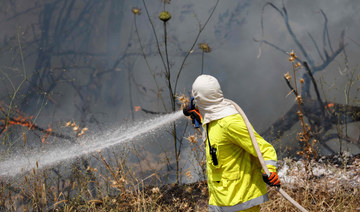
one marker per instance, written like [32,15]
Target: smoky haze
[91,68]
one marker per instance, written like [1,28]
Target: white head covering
[209,99]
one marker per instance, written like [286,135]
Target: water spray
[21,163]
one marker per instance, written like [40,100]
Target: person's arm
[239,135]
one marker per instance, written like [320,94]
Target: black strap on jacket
[212,150]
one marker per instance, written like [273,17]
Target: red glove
[272,180]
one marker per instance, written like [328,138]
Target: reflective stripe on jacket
[236,183]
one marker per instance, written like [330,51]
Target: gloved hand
[272,180]
[193,113]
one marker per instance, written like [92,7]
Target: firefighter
[236,180]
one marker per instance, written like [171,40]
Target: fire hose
[261,159]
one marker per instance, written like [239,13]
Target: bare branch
[152,112]
[316,47]
[326,37]
[292,90]
[155,34]
[325,56]
[307,68]
[193,45]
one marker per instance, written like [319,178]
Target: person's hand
[193,113]
[272,180]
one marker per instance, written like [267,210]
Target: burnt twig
[291,87]
[307,68]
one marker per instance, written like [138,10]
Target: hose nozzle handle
[190,110]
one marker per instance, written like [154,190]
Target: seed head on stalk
[164,16]
[299,99]
[308,147]
[287,76]
[292,54]
[136,11]
[205,47]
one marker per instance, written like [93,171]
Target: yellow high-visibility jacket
[236,183]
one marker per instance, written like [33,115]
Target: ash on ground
[340,170]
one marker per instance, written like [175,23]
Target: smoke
[256,84]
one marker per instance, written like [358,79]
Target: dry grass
[334,187]
[315,197]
